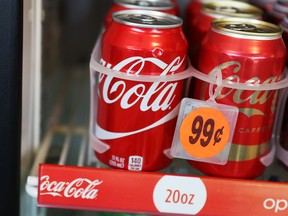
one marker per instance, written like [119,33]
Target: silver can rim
[275,33]
[175,21]
[170,5]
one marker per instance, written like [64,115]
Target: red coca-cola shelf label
[157,193]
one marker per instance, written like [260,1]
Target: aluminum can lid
[147,4]
[247,28]
[233,9]
[147,19]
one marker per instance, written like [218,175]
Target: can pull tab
[242,27]
[142,18]
[143,3]
[227,9]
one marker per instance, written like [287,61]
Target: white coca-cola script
[79,188]
[163,93]
[139,90]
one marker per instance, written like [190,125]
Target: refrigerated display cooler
[11,75]
[58,38]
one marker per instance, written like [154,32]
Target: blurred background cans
[194,6]
[165,6]
[248,51]
[278,12]
[198,25]
[265,5]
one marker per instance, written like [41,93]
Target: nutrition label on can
[117,161]
[135,163]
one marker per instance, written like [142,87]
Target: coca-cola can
[194,7]
[165,6]
[137,118]
[201,23]
[248,51]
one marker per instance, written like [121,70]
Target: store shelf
[124,191]
[103,189]
[70,177]
[152,192]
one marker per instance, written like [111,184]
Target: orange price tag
[204,132]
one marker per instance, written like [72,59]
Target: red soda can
[201,23]
[164,6]
[252,52]
[176,8]
[137,118]
[194,7]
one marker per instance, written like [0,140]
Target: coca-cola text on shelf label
[83,188]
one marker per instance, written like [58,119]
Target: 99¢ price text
[204,132]
[206,128]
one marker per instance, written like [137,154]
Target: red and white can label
[179,195]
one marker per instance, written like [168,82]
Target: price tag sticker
[204,131]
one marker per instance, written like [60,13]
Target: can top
[147,19]
[247,28]
[146,4]
[232,9]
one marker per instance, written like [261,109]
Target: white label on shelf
[178,194]
[135,163]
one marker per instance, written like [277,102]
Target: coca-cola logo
[157,96]
[241,96]
[164,92]
[78,188]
